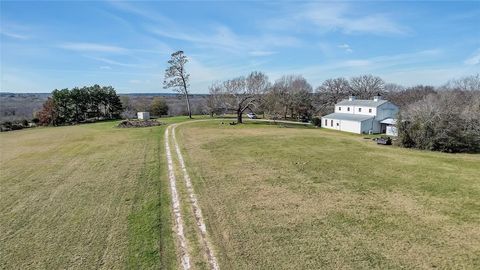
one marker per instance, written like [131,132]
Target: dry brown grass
[288,198]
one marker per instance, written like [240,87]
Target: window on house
[339,108]
[359,109]
[348,108]
[331,123]
[369,110]
[326,122]
[337,124]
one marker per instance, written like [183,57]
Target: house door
[383,128]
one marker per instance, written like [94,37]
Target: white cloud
[345,47]
[381,65]
[262,53]
[474,59]
[327,17]
[222,37]
[14,30]
[135,81]
[92,47]
[112,62]
[106,67]
[14,35]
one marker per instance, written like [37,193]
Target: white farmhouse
[362,116]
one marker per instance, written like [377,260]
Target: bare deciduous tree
[410,95]
[330,92]
[447,121]
[240,94]
[177,78]
[366,86]
[468,83]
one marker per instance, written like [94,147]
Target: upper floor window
[369,110]
[348,108]
[359,109]
[339,108]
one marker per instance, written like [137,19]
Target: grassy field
[85,197]
[305,198]
[273,197]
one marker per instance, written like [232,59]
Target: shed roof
[389,121]
[362,102]
[348,116]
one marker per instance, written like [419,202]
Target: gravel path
[196,211]
[185,258]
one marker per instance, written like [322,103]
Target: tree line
[77,105]
[445,118]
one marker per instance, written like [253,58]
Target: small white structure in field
[363,116]
[391,125]
[143,115]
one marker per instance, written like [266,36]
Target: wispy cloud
[92,47]
[14,35]
[327,17]
[139,11]
[345,47]
[112,62]
[222,37]
[262,53]
[474,59]
[15,31]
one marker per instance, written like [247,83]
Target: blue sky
[47,45]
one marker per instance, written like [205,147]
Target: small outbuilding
[143,115]
[390,126]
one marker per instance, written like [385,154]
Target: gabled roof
[362,102]
[348,116]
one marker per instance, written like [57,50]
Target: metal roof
[389,121]
[348,116]
[362,102]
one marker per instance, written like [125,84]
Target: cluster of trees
[446,120]
[157,106]
[291,96]
[89,103]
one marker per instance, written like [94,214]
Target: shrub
[316,121]
[448,121]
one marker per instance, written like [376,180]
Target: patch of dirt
[139,123]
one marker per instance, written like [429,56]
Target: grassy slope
[89,196]
[285,198]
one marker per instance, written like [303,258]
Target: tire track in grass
[197,212]
[185,258]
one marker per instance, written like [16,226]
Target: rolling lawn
[272,196]
[303,198]
[85,197]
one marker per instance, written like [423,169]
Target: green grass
[273,197]
[306,198]
[85,197]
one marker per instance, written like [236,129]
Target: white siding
[143,115]
[350,126]
[364,110]
[343,125]
[392,130]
